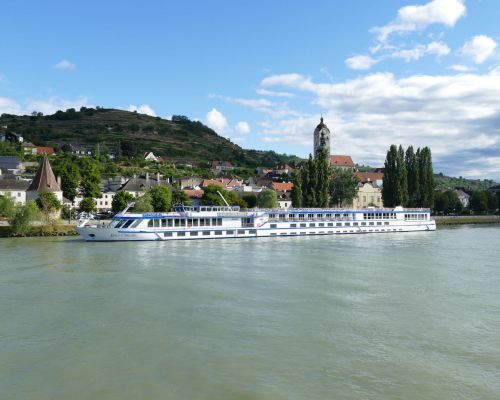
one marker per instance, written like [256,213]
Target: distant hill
[449,183]
[131,133]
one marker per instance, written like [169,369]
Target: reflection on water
[392,316]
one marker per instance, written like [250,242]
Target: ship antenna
[220,194]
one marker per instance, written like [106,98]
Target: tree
[401,192]
[297,189]
[390,177]
[120,201]
[343,187]
[48,203]
[454,205]
[250,199]
[143,203]
[440,202]
[413,182]
[180,197]
[323,172]
[492,202]
[87,205]
[161,198]
[7,206]
[211,197]
[267,199]
[23,218]
[479,202]
[426,177]
[91,177]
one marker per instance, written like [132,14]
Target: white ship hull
[272,223]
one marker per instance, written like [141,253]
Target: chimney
[158,177]
[59,180]
[147,176]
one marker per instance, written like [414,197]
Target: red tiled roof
[369,176]
[194,193]
[207,182]
[341,161]
[282,186]
[44,150]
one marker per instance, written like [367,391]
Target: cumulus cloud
[9,106]
[242,127]
[217,121]
[479,48]
[142,109]
[461,68]
[65,65]
[53,104]
[360,62]
[436,48]
[418,17]
[458,116]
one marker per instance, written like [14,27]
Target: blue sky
[410,72]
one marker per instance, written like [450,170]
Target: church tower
[322,138]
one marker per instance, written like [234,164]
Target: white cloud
[142,109]
[479,48]
[65,65]
[360,62]
[53,104]
[457,115]
[461,68]
[438,48]
[9,106]
[418,17]
[270,93]
[217,121]
[242,127]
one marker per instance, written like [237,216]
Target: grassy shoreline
[35,231]
[466,219]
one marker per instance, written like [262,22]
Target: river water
[384,316]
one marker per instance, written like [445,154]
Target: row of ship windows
[253,232]
[171,222]
[416,217]
[379,215]
[209,233]
[301,217]
[321,224]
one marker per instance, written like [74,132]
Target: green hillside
[131,134]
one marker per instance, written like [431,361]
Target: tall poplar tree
[426,177]
[390,177]
[324,173]
[401,187]
[413,181]
[310,199]
[297,189]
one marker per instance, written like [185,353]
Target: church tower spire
[321,138]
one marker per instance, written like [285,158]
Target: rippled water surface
[389,316]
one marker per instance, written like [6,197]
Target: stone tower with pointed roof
[321,138]
[44,181]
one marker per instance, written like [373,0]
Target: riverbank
[35,231]
[466,219]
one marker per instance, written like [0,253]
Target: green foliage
[161,198]
[120,201]
[180,197]
[492,202]
[23,218]
[297,194]
[8,149]
[48,203]
[90,170]
[479,202]
[450,183]
[143,204]
[87,205]
[250,199]
[7,206]
[447,203]
[267,199]
[408,178]
[212,198]
[343,187]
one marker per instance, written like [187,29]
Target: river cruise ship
[220,222]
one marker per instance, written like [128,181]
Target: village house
[15,188]
[138,186]
[149,156]
[368,194]
[195,196]
[221,166]
[11,164]
[463,197]
[44,181]
[343,162]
